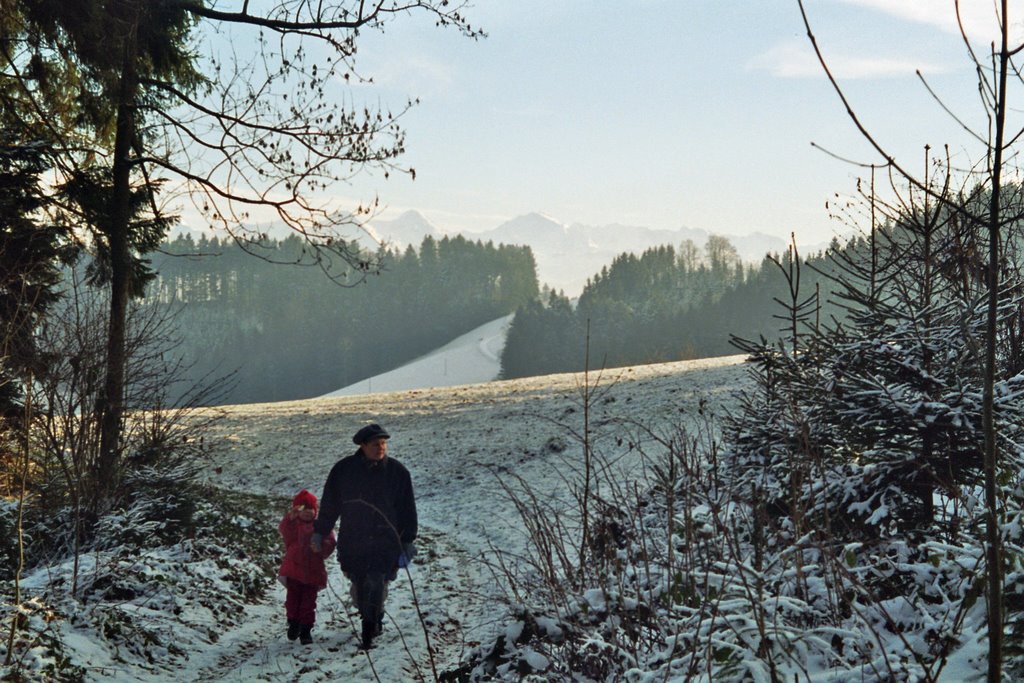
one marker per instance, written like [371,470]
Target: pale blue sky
[663,113]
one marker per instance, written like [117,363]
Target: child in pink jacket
[302,571]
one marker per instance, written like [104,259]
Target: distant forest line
[267,331]
[287,332]
[666,304]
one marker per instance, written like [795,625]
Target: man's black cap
[371,431]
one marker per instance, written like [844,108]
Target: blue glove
[405,558]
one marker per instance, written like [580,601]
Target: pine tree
[120,85]
[32,249]
[870,419]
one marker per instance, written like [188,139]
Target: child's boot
[305,635]
[293,629]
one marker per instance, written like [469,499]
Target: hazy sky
[666,113]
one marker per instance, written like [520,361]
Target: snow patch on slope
[470,359]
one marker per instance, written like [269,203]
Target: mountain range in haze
[567,255]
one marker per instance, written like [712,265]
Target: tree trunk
[111,403]
[16,615]
[993,553]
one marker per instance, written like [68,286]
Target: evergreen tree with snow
[873,421]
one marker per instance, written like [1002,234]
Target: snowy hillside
[469,359]
[206,608]
[460,443]
[456,442]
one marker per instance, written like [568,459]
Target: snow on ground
[473,357]
[456,442]
[460,440]
[462,437]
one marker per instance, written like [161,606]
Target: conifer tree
[32,249]
[133,92]
[998,79]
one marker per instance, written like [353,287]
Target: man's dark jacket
[376,510]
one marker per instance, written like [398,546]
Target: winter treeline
[292,329]
[664,305]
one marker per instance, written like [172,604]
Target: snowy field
[198,608]
[455,441]
[460,435]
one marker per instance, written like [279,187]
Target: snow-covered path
[258,651]
[456,441]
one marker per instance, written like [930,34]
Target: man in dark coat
[370,496]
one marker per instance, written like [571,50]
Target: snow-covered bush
[114,560]
[8,538]
[158,509]
[836,528]
[143,605]
[703,588]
